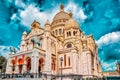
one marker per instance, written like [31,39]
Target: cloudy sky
[98,17]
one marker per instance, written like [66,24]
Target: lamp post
[61,60]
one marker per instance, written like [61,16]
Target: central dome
[61,15]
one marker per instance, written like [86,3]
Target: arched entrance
[20,65]
[28,60]
[13,65]
[41,65]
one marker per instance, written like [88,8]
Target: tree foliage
[3,62]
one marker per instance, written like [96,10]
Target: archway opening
[20,65]
[41,65]
[28,60]
[13,65]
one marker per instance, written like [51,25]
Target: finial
[61,7]
[70,14]
[47,22]
[35,20]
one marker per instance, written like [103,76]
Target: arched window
[60,31]
[69,45]
[56,32]
[74,33]
[69,33]
[64,60]
[69,61]
[53,32]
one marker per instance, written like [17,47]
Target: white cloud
[109,66]
[13,16]
[109,38]
[77,11]
[5,50]
[19,3]
[32,13]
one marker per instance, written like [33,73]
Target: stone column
[89,61]
[24,69]
[9,66]
[48,59]
[34,61]
[16,68]
[74,61]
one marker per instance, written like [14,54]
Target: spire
[24,33]
[47,22]
[70,14]
[61,7]
[35,24]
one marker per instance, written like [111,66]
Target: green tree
[3,62]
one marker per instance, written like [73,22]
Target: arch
[69,33]
[60,31]
[74,33]
[20,61]
[28,60]
[41,65]
[13,62]
[53,32]
[69,43]
[53,67]
[69,61]
[13,65]
[56,32]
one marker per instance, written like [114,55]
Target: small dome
[71,23]
[62,14]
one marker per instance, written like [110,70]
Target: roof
[61,15]
[71,23]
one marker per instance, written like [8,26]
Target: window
[53,32]
[60,31]
[69,61]
[69,33]
[69,45]
[56,32]
[65,60]
[74,33]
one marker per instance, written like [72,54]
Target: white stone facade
[42,49]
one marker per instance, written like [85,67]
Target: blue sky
[98,17]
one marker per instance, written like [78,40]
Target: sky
[97,17]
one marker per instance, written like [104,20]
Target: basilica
[58,47]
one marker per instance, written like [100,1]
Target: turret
[35,24]
[24,35]
[47,26]
[71,28]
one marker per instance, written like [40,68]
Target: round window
[69,45]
